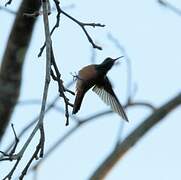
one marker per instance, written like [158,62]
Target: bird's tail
[78,101]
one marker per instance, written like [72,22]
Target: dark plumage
[95,76]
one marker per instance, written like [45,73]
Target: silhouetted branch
[16,141]
[38,13]
[134,137]
[29,125]
[13,60]
[9,175]
[170,6]
[9,156]
[45,5]
[39,125]
[34,156]
[81,24]
[8,3]
[55,26]
[79,123]
[61,88]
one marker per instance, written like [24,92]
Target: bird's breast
[87,78]
[88,73]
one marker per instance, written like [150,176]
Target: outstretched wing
[107,94]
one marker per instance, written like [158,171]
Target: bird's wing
[107,94]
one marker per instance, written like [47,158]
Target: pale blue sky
[151,36]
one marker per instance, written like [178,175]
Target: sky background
[150,34]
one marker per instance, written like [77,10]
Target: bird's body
[95,76]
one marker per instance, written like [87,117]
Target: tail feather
[78,101]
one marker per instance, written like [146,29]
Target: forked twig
[81,24]
[57,77]
[8,3]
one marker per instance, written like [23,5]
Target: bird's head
[108,63]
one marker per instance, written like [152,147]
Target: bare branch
[81,24]
[47,80]
[61,87]
[9,175]
[53,29]
[16,141]
[13,60]
[134,137]
[34,156]
[39,125]
[29,125]
[170,6]
[79,123]
[9,156]
[8,3]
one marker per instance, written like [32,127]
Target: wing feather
[108,96]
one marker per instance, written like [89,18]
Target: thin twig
[61,87]
[8,3]
[47,80]
[80,123]
[34,156]
[16,141]
[81,24]
[170,6]
[42,141]
[28,126]
[54,27]
[10,156]
[9,175]
[69,133]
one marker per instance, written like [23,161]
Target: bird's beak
[118,58]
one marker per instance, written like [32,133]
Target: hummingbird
[95,76]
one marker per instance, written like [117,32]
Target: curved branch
[170,6]
[141,103]
[134,137]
